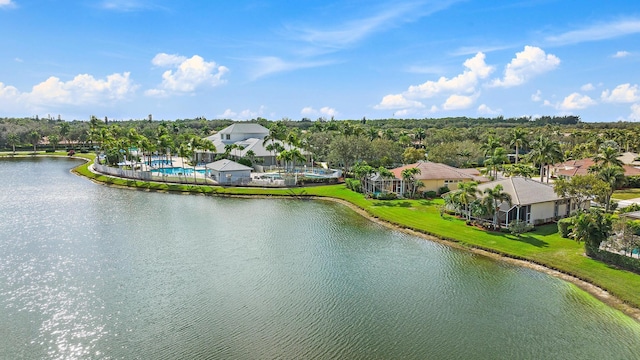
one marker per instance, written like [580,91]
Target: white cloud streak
[597,32]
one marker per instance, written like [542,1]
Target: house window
[228,136]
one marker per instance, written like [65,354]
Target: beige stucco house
[531,201]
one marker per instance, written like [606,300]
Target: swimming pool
[177,171]
[160,162]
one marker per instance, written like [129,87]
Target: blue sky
[347,59]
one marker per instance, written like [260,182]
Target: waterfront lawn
[626,194]
[543,246]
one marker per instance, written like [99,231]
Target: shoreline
[595,291]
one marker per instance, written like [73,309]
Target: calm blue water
[177,171]
[92,272]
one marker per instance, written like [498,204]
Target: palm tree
[518,139]
[385,174]
[607,157]
[64,131]
[466,193]
[614,177]
[497,159]
[184,151]
[493,198]
[408,176]
[361,170]
[545,152]
[35,137]
[13,139]
[54,140]
[490,146]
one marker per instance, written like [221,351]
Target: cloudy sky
[348,59]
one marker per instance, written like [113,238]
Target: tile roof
[524,191]
[437,171]
[581,167]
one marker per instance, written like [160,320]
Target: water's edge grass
[542,249]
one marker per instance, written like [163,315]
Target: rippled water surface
[88,271]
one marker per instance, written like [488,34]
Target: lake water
[88,271]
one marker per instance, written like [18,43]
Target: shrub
[631,208]
[429,194]
[353,184]
[519,227]
[443,190]
[245,162]
[386,196]
[49,151]
[633,181]
[565,226]
[71,152]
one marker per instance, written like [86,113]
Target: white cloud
[528,63]
[624,93]
[457,102]
[476,69]
[461,89]
[397,101]
[597,32]
[537,96]
[354,31]
[483,109]
[82,90]
[326,111]
[8,92]
[128,5]
[167,60]
[270,65]
[244,114]
[575,101]
[635,112]
[621,54]
[587,87]
[189,74]
[308,110]
[6,3]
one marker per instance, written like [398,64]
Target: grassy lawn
[543,246]
[626,194]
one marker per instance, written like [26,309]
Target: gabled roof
[245,128]
[524,191]
[581,167]
[437,171]
[226,165]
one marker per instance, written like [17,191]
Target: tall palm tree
[497,160]
[13,139]
[518,139]
[467,192]
[607,157]
[35,137]
[545,152]
[493,198]
[614,177]
[65,128]
[408,176]
[490,146]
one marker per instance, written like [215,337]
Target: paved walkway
[625,203]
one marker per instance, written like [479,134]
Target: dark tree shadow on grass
[405,204]
[524,238]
